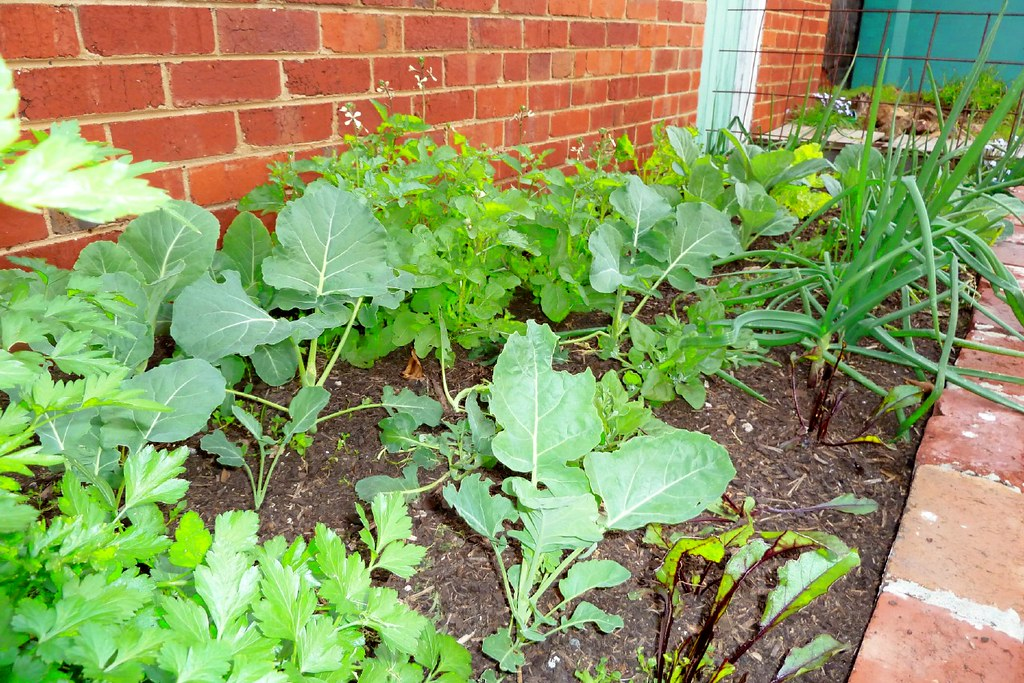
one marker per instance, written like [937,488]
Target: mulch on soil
[459,586]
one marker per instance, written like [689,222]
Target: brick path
[952,598]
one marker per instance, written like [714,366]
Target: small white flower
[352,117]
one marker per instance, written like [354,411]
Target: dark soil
[460,587]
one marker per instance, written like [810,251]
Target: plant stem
[341,344]
[550,579]
[257,399]
[346,411]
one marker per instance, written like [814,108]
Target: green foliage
[738,552]
[987,92]
[569,496]
[101,591]
[672,357]
[61,170]
[896,258]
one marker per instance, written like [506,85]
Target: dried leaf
[413,369]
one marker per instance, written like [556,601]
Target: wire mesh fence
[803,47]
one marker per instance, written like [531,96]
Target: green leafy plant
[460,447]
[899,260]
[601,674]
[569,497]
[651,243]
[822,560]
[672,357]
[984,95]
[303,410]
[74,344]
[328,262]
[103,591]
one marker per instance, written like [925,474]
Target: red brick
[608,9]
[514,67]
[226,181]
[633,112]
[221,81]
[138,30]
[171,179]
[998,307]
[467,5]
[488,32]
[587,34]
[695,12]
[679,81]
[533,7]
[592,91]
[396,71]
[670,10]
[623,34]
[642,9]
[66,91]
[569,8]
[969,441]
[549,96]
[20,227]
[445,106]
[534,128]
[688,103]
[604,62]
[494,103]
[362,33]
[417,4]
[642,142]
[94,132]
[666,60]
[691,58]
[490,133]
[627,88]
[539,66]
[910,641]
[994,337]
[652,85]
[563,65]
[287,125]
[436,32]
[258,31]
[946,543]
[602,117]
[474,68]
[555,152]
[327,76]
[636,61]
[178,137]
[1010,253]
[570,122]
[61,254]
[37,32]
[545,33]
[653,35]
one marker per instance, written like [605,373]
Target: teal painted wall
[956,37]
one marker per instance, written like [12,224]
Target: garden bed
[459,585]
[697,384]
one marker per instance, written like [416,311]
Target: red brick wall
[792,49]
[219,89]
